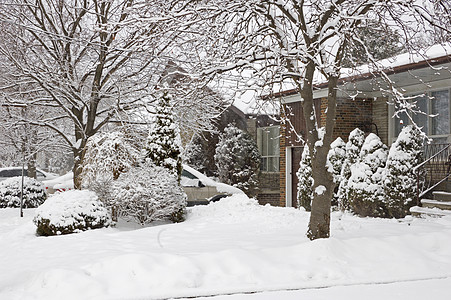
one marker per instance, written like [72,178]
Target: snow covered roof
[434,55]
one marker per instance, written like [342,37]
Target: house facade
[425,81]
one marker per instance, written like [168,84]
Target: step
[441,196]
[433,212]
[436,204]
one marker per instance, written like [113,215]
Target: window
[268,145]
[436,104]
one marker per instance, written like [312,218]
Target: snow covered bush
[148,193]
[353,147]
[366,184]
[400,179]
[11,188]
[336,158]
[69,212]
[238,160]
[305,183]
[163,146]
[107,155]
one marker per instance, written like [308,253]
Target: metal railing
[434,170]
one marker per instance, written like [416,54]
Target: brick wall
[282,162]
[353,114]
[272,199]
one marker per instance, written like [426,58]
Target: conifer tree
[353,147]
[365,186]
[305,183]
[194,155]
[400,178]
[238,159]
[336,158]
[163,145]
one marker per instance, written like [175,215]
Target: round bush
[71,211]
[33,192]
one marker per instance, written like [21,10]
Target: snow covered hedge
[148,193]
[69,212]
[400,178]
[10,189]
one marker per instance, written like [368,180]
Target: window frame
[428,95]
[265,158]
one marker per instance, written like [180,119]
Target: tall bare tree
[93,61]
[301,42]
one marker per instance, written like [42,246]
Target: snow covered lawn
[230,246]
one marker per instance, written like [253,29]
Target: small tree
[336,158]
[353,147]
[148,193]
[163,146]
[305,183]
[366,193]
[400,179]
[238,160]
[107,155]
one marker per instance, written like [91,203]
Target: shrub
[336,158]
[400,178]
[71,211]
[148,193]
[365,186]
[305,183]
[353,147]
[33,192]
[238,160]
[107,155]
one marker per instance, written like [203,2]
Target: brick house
[427,77]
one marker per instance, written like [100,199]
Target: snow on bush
[335,160]
[71,211]
[10,190]
[238,159]
[365,186]
[107,155]
[305,183]
[353,147]
[148,193]
[163,146]
[400,178]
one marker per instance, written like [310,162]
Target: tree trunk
[323,184]
[31,166]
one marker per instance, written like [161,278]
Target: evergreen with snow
[305,180]
[69,212]
[365,186]
[194,154]
[353,147]
[335,159]
[148,193]
[400,179]
[163,146]
[107,155]
[11,188]
[238,159]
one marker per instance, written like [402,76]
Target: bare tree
[301,42]
[91,61]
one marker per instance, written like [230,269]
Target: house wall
[350,114]
[268,182]
[381,119]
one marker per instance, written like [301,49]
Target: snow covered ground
[231,246]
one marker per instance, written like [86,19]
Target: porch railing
[434,170]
